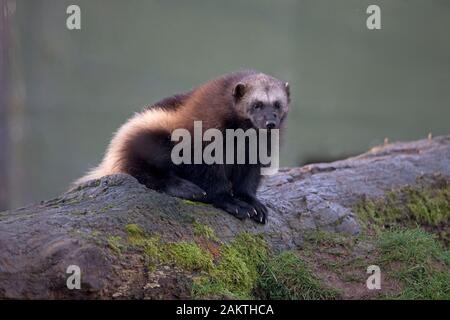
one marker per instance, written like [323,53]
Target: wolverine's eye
[277,105]
[257,105]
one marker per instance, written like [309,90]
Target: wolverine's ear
[288,91]
[239,91]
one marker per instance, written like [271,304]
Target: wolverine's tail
[93,174]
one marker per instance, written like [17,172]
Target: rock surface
[39,242]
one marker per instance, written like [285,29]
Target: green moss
[380,212]
[134,230]
[204,287]
[247,269]
[240,262]
[192,203]
[413,257]
[420,263]
[188,256]
[236,273]
[115,243]
[287,277]
[202,230]
[242,269]
[137,237]
[428,206]
[150,246]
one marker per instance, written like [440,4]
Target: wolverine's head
[263,100]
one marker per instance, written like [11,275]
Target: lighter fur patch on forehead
[265,89]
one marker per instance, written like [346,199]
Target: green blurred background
[351,87]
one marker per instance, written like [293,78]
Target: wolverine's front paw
[260,211]
[235,207]
[239,209]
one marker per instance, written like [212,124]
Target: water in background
[351,87]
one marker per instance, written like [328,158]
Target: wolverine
[239,100]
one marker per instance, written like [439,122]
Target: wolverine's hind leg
[174,186]
[149,161]
[181,188]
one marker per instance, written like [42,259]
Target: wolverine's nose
[270,124]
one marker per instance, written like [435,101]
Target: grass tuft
[287,277]
[418,261]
